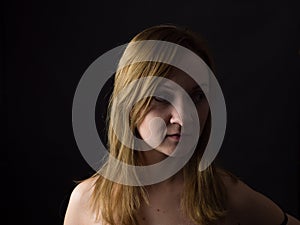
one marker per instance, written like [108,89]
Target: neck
[153,156]
[150,157]
[173,184]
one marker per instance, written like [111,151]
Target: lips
[175,137]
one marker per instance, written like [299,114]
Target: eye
[160,99]
[198,96]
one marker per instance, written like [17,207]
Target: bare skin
[246,206]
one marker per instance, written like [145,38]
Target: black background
[47,45]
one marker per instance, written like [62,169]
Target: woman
[118,195]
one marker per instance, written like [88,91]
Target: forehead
[183,79]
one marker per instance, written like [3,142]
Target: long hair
[204,195]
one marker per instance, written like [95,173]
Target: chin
[166,152]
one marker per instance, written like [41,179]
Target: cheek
[152,129]
[143,129]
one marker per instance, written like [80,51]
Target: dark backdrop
[47,45]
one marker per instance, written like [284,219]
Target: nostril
[176,120]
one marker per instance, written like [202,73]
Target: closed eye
[163,97]
[198,96]
[159,99]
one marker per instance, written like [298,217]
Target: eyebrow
[164,85]
[196,88]
[202,85]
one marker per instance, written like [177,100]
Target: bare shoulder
[250,206]
[78,211]
[84,189]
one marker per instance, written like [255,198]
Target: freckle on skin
[144,218]
[157,210]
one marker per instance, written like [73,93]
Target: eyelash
[194,98]
[198,94]
[159,99]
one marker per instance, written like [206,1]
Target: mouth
[174,137]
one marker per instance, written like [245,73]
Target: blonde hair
[204,197]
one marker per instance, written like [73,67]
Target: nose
[180,113]
[175,117]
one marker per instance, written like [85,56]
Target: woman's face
[152,132]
